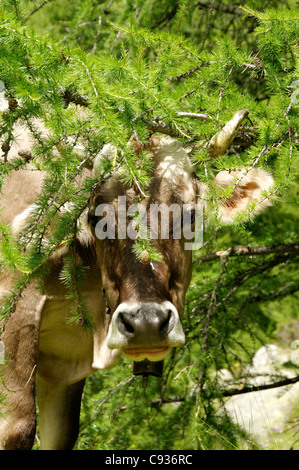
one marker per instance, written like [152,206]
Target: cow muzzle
[145,330]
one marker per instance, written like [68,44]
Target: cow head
[146,300]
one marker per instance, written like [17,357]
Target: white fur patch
[172,160]
[20,221]
[84,234]
[109,151]
[250,187]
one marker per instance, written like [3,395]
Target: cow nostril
[128,328]
[164,327]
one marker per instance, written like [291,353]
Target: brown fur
[18,380]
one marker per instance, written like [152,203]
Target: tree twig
[206,328]
[235,391]
[16,9]
[257,388]
[252,251]
[195,115]
[186,74]
[37,9]
[216,146]
[211,8]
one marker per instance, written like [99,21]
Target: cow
[136,306]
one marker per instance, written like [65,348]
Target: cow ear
[248,188]
[104,161]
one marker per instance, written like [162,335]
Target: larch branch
[252,251]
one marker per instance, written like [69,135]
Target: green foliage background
[132,59]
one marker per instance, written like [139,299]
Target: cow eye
[93,220]
[190,217]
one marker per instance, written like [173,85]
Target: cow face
[146,300]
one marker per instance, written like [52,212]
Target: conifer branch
[243,389]
[211,8]
[258,388]
[88,73]
[159,126]
[45,2]
[285,291]
[217,145]
[16,9]
[21,33]
[252,251]
[187,73]
[207,324]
